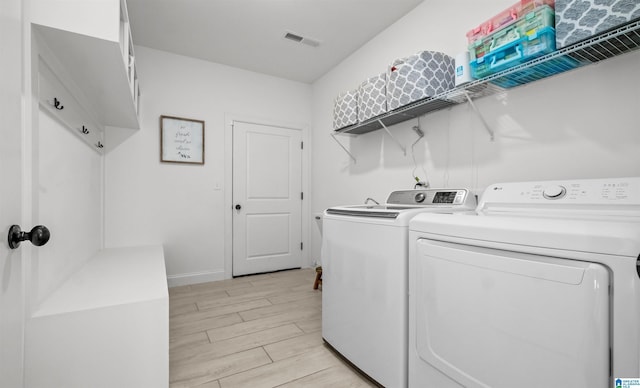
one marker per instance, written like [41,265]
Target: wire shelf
[601,47]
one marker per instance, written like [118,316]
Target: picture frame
[181,140]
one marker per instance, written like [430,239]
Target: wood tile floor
[254,331]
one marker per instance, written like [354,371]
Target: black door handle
[238,207]
[38,236]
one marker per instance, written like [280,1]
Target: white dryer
[364,278]
[538,288]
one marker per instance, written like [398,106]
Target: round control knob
[420,197]
[554,192]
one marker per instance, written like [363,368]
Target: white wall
[176,205]
[68,201]
[67,182]
[581,124]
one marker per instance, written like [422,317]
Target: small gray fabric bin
[372,97]
[419,76]
[345,109]
[577,20]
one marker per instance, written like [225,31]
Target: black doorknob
[238,207]
[38,236]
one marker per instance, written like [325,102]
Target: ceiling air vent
[301,39]
[293,37]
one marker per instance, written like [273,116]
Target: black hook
[100,145]
[56,104]
[85,130]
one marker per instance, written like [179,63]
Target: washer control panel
[430,197]
[578,192]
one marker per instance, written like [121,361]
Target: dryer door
[494,318]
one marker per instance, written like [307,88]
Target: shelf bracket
[344,148]
[404,150]
[484,122]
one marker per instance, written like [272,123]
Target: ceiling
[249,34]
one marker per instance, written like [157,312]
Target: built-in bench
[106,326]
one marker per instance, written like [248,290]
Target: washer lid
[593,236]
[379,211]
[362,213]
[384,215]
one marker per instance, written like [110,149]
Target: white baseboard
[194,278]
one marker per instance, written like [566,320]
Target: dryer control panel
[587,194]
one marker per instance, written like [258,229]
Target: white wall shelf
[603,46]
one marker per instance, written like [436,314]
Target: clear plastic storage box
[506,17]
[528,25]
[526,48]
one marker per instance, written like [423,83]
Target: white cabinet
[106,326]
[90,52]
[95,18]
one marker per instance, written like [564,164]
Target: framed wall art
[181,140]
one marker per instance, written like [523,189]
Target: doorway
[267,198]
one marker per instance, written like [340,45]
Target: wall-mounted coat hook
[85,130]
[56,104]
[100,145]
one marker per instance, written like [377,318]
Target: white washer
[538,288]
[364,278]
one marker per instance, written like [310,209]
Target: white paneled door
[11,260]
[267,198]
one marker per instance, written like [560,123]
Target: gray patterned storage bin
[422,75]
[345,109]
[372,97]
[580,19]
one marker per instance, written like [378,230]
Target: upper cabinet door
[90,50]
[94,18]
